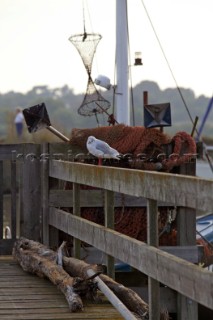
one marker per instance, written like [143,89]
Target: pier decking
[42,216]
[24,296]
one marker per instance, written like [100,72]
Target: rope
[84,24]
[168,64]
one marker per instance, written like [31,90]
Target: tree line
[62,106]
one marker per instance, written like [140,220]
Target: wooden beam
[192,192]
[152,240]
[13,198]
[1,200]
[45,193]
[76,212]
[109,223]
[12,151]
[186,236]
[30,201]
[94,198]
[164,267]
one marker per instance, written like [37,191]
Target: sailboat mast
[122,65]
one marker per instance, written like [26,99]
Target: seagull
[101,149]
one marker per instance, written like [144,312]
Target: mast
[122,65]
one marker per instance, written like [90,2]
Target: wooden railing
[192,283]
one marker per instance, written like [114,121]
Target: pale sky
[35,50]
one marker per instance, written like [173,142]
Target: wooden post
[109,223]
[30,202]
[76,212]
[152,240]
[145,98]
[187,309]
[45,193]
[13,199]
[1,199]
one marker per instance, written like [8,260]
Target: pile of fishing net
[144,148]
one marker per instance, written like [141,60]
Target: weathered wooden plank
[26,284]
[76,212]
[152,240]
[33,290]
[28,301]
[13,199]
[109,223]
[164,267]
[186,235]
[192,192]
[193,254]
[94,198]
[25,297]
[11,152]
[1,200]
[45,193]
[31,193]
[36,304]
[106,314]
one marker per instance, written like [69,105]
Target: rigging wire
[178,88]
[168,64]
[83,10]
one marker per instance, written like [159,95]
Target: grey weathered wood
[168,297]
[109,223]
[6,246]
[1,199]
[194,254]
[152,240]
[192,192]
[11,152]
[45,193]
[35,298]
[13,199]
[94,198]
[76,212]
[186,217]
[161,266]
[31,192]
[186,236]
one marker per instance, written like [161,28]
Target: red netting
[138,141]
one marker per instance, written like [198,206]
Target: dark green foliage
[62,105]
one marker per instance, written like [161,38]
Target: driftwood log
[40,260]
[129,298]
[75,278]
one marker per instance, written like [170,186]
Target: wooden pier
[42,217]
[25,297]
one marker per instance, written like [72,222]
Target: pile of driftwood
[76,279]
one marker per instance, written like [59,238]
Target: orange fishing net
[145,145]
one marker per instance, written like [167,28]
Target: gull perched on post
[101,149]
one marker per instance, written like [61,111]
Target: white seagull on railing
[101,149]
